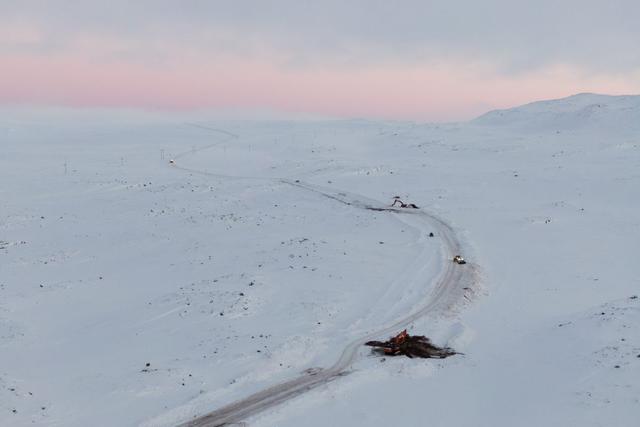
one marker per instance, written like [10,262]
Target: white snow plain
[225,280]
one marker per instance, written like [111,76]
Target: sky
[409,60]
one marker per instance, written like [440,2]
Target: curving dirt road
[443,291]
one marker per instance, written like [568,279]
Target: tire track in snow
[446,290]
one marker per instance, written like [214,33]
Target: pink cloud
[444,91]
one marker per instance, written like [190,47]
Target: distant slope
[585,110]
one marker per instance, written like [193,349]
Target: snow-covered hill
[135,292]
[583,111]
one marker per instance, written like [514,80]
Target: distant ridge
[573,112]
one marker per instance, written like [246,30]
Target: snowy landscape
[156,267]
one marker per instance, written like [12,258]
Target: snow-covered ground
[134,292]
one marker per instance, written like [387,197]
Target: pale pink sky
[220,67]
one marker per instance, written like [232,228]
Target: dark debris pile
[411,346]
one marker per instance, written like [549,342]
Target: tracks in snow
[446,289]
